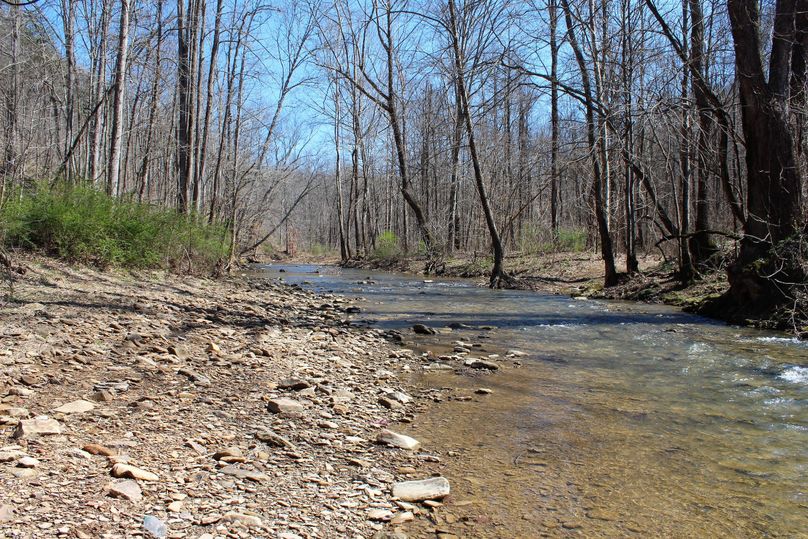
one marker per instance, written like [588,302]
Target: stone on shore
[195,377]
[75,407]
[27,462]
[155,527]
[128,489]
[6,513]
[39,426]
[395,439]
[282,405]
[240,519]
[425,489]
[131,472]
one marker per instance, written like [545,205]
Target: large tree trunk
[214,55]
[69,20]
[343,240]
[761,277]
[143,174]
[8,167]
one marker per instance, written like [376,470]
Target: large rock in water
[421,329]
[418,491]
[481,364]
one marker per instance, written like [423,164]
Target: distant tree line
[486,126]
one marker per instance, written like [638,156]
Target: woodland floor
[176,378]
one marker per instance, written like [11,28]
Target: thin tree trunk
[113,166]
[498,275]
[607,252]
[214,54]
[343,240]
[554,120]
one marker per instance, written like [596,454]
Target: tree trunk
[498,275]
[761,277]
[343,240]
[113,166]
[610,278]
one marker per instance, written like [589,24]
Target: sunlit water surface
[623,419]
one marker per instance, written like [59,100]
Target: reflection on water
[623,419]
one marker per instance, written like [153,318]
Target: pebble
[275,440]
[382,515]
[481,364]
[155,527]
[195,377]
[390,404]
[96,449]
[6,513]
[27,462]
[402,518]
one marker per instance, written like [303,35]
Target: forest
[431,127]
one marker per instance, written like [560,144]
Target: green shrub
[318,249]
[571,239]
[538,240]
[386,246]
[82,224]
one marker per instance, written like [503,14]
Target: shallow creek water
[622,420]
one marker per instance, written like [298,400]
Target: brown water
[622,420]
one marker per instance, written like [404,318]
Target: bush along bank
[79,223]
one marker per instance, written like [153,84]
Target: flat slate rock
[128,489]
[75,407]
[425,489]
[282,405]
[39,426]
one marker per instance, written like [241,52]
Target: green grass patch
[82,224]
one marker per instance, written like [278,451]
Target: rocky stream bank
[153,405]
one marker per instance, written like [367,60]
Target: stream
[622,419]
